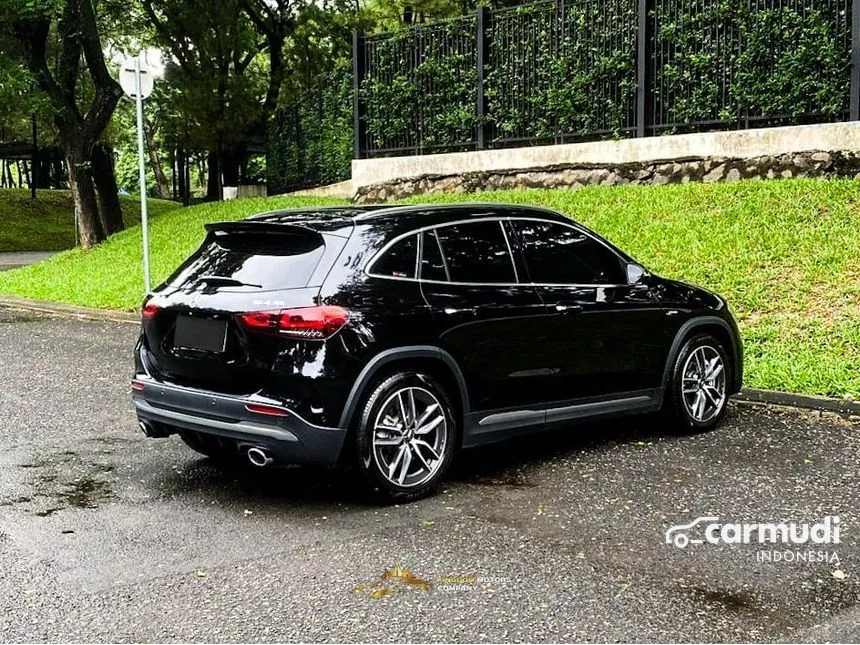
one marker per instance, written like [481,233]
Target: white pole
[144,220]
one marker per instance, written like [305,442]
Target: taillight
[149,309]
[310,323]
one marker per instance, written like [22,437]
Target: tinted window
[557,254]
[265,260]
[476,252]
[432,264]
[399,260]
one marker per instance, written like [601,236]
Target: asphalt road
[105,535]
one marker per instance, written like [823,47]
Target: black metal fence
[310,138]
[557,71]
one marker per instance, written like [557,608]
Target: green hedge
[566,70]
[419,86]
[555,72]
[727,61]
[310,138]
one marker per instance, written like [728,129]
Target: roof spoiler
[246,226]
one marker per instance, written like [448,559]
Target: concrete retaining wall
[811,150]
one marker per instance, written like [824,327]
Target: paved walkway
[15,260]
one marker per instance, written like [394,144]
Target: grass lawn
[110,275]
[48,223]
[786,254]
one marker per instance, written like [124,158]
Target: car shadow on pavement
[507,462]
[502,464]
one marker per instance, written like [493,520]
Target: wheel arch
[719,329]
[435,359]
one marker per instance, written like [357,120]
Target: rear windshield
[263,260]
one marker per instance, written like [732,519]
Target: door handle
[459,310]
[567,307]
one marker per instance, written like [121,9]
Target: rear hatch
[196,328]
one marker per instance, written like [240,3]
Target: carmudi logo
[709,529]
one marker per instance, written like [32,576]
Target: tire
[402,461]
[209,446]
[696,401]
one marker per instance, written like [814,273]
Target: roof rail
[394,208]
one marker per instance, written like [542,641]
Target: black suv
[393,336]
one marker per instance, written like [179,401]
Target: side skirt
[496,425]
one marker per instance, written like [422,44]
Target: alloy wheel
[410,434]
[704,383]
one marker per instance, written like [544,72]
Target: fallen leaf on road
[624,587]
[406,576]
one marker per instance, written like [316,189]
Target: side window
[558,254]
[432,263]
[399,260]
[477,252]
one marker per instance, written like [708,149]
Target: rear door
[193,335]
[483,316]
[601,336]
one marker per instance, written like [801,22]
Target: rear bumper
[290,439]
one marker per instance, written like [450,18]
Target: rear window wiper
[228,281]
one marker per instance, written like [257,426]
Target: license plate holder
[200,334]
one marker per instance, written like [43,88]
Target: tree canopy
[228,66]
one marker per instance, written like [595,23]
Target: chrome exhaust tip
[259,457]
[154,430]
[146,429]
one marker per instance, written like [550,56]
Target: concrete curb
[805,401]
[69,311]
[750,395]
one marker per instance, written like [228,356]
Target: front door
[601,336]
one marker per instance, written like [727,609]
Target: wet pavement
[105,535]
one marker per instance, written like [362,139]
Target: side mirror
[636,273]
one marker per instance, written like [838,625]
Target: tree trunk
[155,161]
[172,155]
[90,227]
[60,175]
[213,183]
[78,40]
[230,162]
[181,186]
[110,211]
